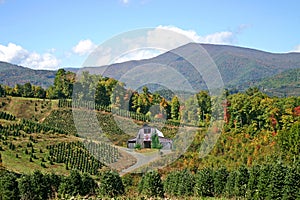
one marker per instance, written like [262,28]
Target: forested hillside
[13,74]
[284,84]
[255,157]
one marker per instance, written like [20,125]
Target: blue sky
[50,34]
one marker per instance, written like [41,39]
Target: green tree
[155,144]
[63,85]
[54,182]
[111,184]
[263,182]
[142,102]
[39,92]
[17,90]
[289,140]
[252,181]
[220,180]
[151,185]
[204,103]
[205,182]
[171,183]
[180,183]
[241,181]
[26,188]
[175,108]
[291,189]
[119,97]
[276,184]
[27,90]
[71,185]
[230,184]
[88,185]
[8,186]
[191,112]
[101,95]
[2,91]
[40,185]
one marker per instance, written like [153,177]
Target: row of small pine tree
[270,181]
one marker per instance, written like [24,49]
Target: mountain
[239,67]
[286,83]
[13,74]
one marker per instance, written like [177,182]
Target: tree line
[269,181]
[61,88]
[45,186]
[251,108]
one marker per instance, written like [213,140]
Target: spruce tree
[205,182]
[241,181]
[151,185]
[8,186]
[220,180]
[111,184]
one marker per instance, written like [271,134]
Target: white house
[144,138]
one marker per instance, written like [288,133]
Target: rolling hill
[239,67]
[13,74]
[286,83]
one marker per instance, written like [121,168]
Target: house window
[147,130]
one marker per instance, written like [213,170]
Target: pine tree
[8,186]
[205,182]
[151,185]
[220,180]
[276,184]
[230,184]
[253,181]
[291,189]
[111,184]
[175,107]
[263,182]
[241,181]
[88,185]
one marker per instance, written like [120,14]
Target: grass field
[28,108]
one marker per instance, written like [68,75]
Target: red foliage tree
[297,111]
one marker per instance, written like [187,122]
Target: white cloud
[138,54]
[84,47]
[296,49]
[44,61]
[16,54]
[147,43]
[165,38]
[224,37]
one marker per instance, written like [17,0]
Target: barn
[144,138]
